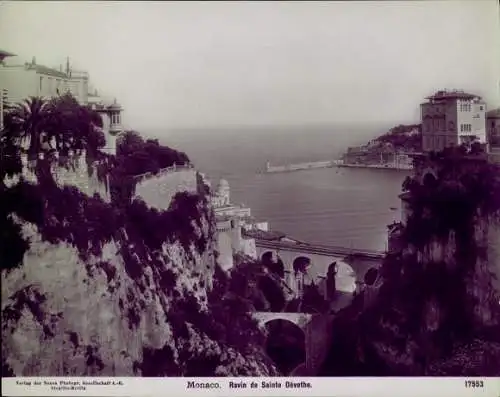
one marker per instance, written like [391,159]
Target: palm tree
[73,126]
[61,120]
[27,121]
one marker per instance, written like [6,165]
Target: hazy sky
[191,64]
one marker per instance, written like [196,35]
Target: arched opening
[300,266]
[345,278]
[273,263]
[429,180]
[285,345]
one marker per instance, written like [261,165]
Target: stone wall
[71,171]
[158,190]
[224,248]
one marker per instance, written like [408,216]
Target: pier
[272,169]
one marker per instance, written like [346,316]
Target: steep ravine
[438,308]
[111,292]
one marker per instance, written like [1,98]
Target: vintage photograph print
[274,190]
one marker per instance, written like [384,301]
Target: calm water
[345,207]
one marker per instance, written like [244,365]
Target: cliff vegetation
[404,137]
[93,288]
[437,311]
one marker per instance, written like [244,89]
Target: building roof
[455,94]
[47,71]
[114,106]
[493,114]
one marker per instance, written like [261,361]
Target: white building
[19,81]
[31,79]
[231,221]
[450,118]
[4,91]
[111,120]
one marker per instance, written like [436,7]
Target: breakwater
[271,169]
[301,166]
[388,166]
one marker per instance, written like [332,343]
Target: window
[461,128]
[481,108]
[41,80]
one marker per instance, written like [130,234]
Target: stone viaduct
[318,260]
[316,330]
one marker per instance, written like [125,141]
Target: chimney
[33,61]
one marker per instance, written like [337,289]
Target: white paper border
[319,387]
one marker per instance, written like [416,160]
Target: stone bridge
[316,330]
[319,260]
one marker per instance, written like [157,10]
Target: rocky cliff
[102,291]
[438,309]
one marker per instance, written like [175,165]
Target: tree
[27,121]
[313,301]
[36,123]
[74,127]
[128,142]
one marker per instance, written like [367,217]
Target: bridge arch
[273,262]
[345,277]
[429,177]
[301,263]
[285,344]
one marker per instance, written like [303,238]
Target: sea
[332,206]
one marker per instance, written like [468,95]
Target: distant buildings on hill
[19,81]
[448,118]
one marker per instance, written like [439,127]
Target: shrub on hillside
[394,336]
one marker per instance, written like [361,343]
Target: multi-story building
[4,91]
[32,79]
[232,220]
[450,118]
[20,81]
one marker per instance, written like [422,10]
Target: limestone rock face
[402,350]
[62,315]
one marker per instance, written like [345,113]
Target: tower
[223,192]
[111,124]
